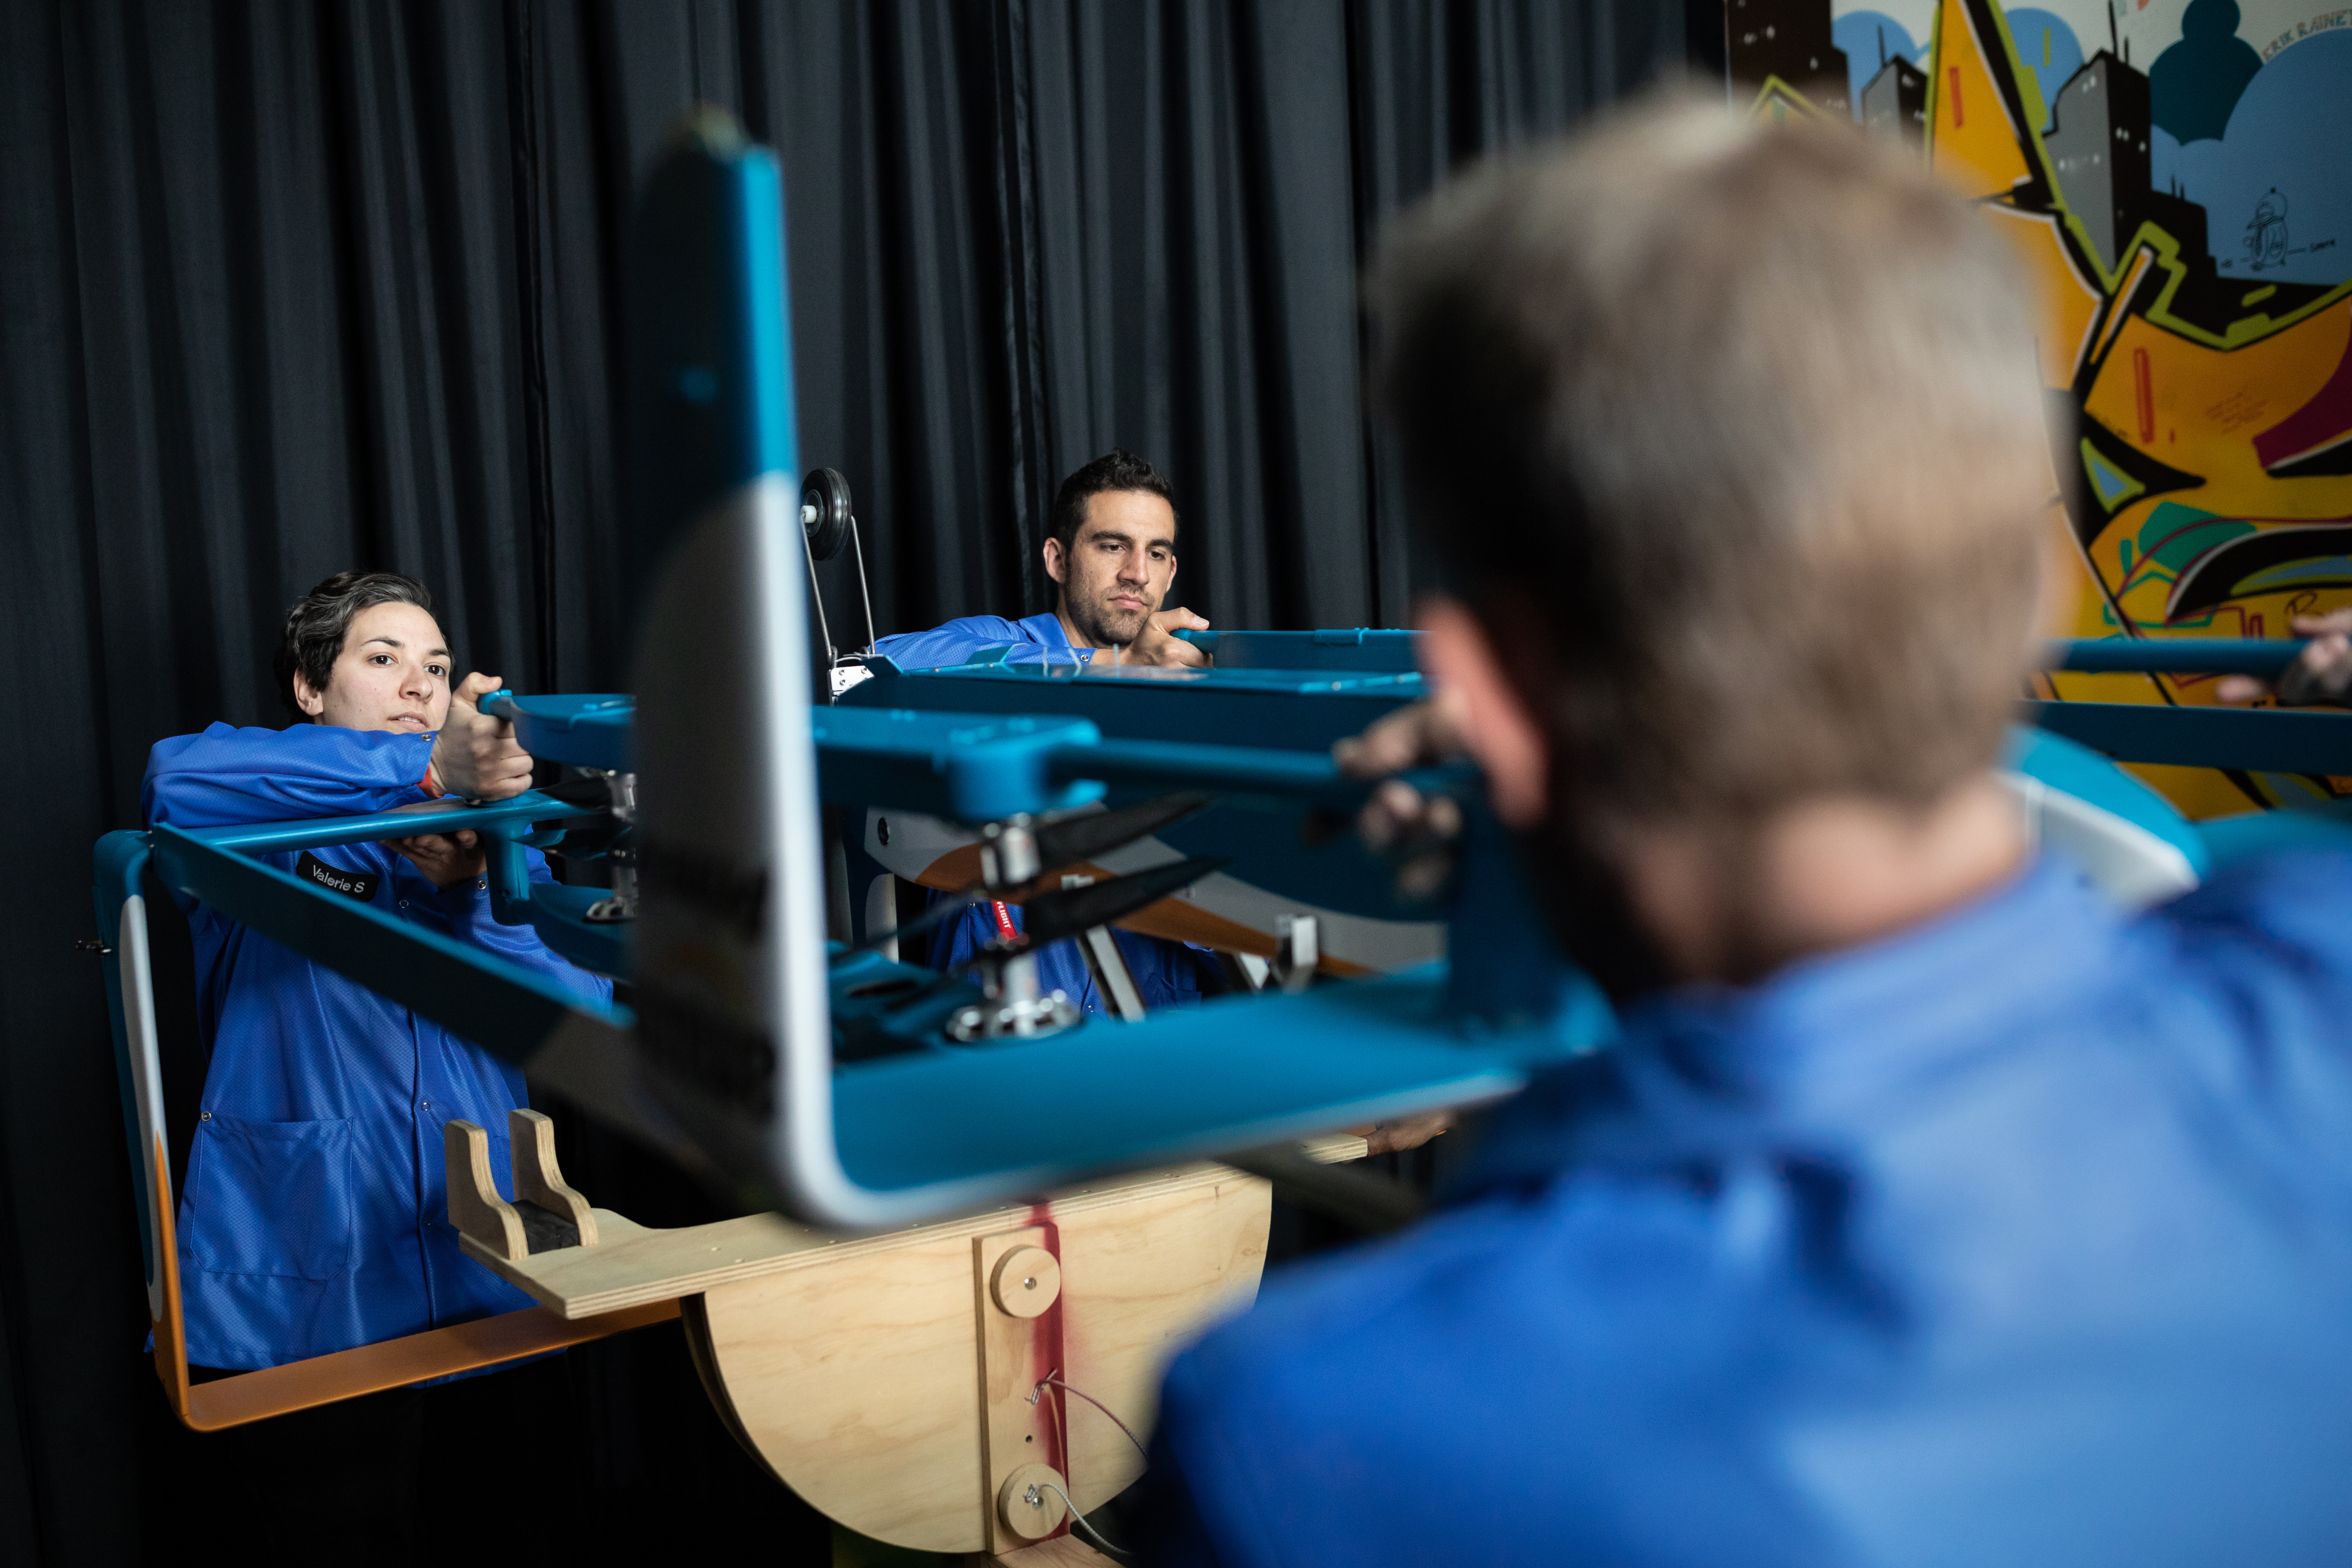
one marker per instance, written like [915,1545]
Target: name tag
[360,885]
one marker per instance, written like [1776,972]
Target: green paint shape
[2174,535]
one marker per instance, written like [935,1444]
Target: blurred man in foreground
[1929,1211]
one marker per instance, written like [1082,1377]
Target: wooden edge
[171,1329]
[1064,1551]
[530,1139]
[394,1364]
[638,1263]
[1337,1148]
[474,1207]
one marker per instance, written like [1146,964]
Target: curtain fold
[290,287]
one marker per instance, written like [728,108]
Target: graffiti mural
[2176,177]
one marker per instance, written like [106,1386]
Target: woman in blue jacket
[315,1216]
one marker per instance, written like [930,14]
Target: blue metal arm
[2185,655]
[508,1010]
[2254,740]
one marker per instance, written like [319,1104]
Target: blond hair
[1738,429]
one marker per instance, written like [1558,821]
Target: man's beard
[1102,626]
[1582,894]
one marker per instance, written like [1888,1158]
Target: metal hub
[1028,1018]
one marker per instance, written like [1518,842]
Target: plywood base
[891,1379]
[856,1382]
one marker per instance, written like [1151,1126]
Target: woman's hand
[476,757]
[446,858]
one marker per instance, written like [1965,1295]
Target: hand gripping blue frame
[2265,739]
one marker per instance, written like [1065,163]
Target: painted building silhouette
[2099,154]
[1896,102]
[1789,40]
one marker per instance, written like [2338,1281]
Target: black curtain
[286,288]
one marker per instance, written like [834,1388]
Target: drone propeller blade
[1082,837]
[1049,917]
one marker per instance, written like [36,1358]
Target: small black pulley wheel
[824,513]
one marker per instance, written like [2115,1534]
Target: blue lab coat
[1035,639]
[1166,973]
[2021,1238]
[316,1215]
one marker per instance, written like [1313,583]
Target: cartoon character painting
[2266,235]
[2200,377]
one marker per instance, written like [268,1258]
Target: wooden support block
[474,1207]
[1061,1552]
[1028,1505]
[1016,1286]
[849,1362]
[530,1137]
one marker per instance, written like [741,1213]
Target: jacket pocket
[271,1197]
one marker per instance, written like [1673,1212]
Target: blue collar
[1045,630]
[1709,1068]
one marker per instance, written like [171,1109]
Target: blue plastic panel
[1290,709]
[947,1127]
[2288,830]
[592,731]
[2076,770]
[1352,648]
[949,765]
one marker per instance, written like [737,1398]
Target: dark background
[286,288]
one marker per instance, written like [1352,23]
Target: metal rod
[864,596]
[816,597]
[269,837]
[2259,739]
[2165,655]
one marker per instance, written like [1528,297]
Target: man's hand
[2321,674]
[1415,832]
[476,757]
[1404,1132]
[1158,644]
[446,858]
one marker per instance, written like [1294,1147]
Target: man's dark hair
[1117,469]
[317,622]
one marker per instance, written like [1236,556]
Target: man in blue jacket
[1930,1210]
[315,1216]
[1111,553]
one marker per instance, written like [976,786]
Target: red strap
[1004,926]
[431,783]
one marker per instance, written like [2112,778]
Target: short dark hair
[1117,469]
[317,622]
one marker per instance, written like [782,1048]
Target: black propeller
[1068,840]
[1050,917]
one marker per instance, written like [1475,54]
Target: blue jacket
[2023,1238]
[1037,638]
[316,1216]
[1166,973]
